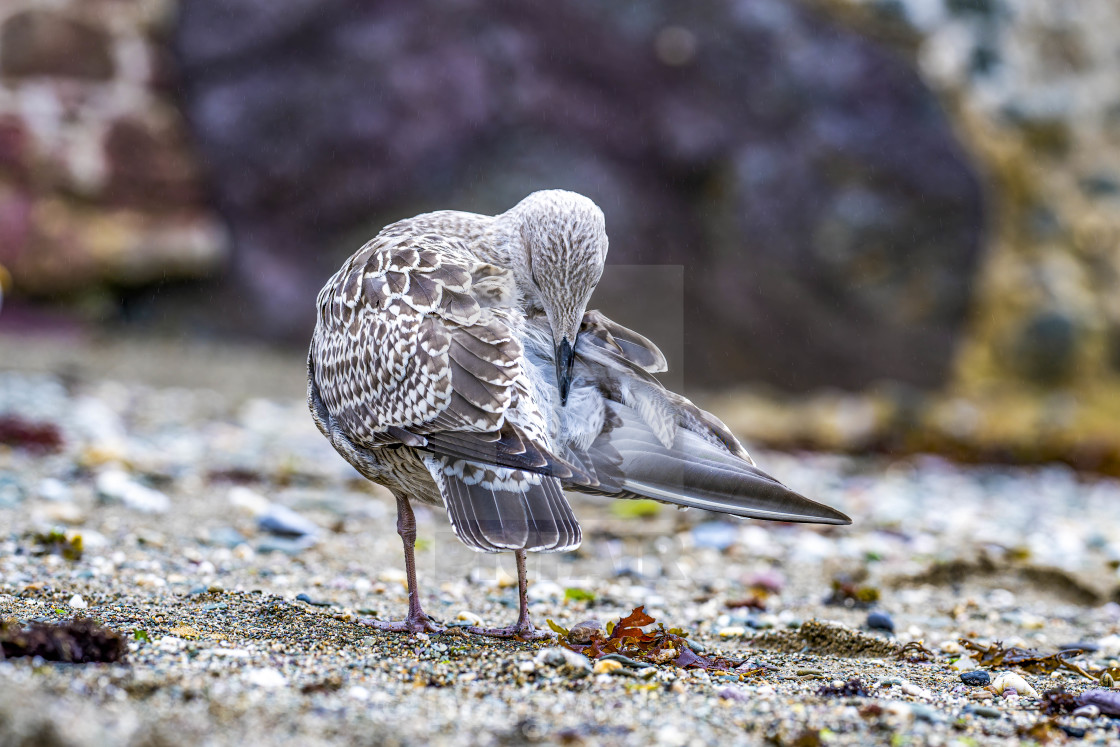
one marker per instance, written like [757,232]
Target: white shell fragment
[1010,679]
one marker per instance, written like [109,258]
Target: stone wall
[98,183]
[1033,87]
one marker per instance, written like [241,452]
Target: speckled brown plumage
[454,362]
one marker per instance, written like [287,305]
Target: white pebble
[357,692]
[1011,679]
[918,692]
[78,603]
[734,631]
[270,678]
[469,617]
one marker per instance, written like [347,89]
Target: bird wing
[639,440]
[404,354]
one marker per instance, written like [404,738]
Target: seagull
[454,361]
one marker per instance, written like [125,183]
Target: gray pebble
[284,522]
[879,620]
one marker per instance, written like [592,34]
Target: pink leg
[417,620]
[523,628]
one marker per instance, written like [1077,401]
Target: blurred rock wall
[804,176]
[1033,87]
[98,183]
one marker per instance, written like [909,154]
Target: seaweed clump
[853,688]
[79,641]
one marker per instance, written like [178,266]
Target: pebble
[987,711]
[1007,680]
[226,537]
[583,632]
[283,521]
[976,678]
[916,691]
[266,678]
[115,485]
[606,666]
[718,535]
[469,617]
[78,603]
[733,631]
[306,599]
[879,620]
[569,662]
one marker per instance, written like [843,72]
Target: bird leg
[523,628]
[417,621]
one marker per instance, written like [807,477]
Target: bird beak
[564,360]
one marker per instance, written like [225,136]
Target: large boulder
[809,183]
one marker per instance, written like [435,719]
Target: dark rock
[1046,346]
[1108,701]
[879,620]
[43,42]
[306,599]
[976,678]
[817,194]
[984,711]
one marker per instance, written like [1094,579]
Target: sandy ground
[176,470]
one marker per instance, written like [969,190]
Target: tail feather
[489,519]
[694,472]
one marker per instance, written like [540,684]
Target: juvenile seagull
[454,362]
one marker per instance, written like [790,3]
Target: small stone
[267,678]
[984,694]
[306,599]
[1012,680]
[226,537]
[527,667]
[568,662]
[987,711]
[915,691]
[283,521]
[115,485]
[606,667]
[879,620]
[469,617]
[733,631]
[78,603]
[976,678]
[718,535]
[584,632]
[965,664]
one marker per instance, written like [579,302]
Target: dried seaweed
[853,688]
[846,593]
[1028,659]
[915,652]
[1057,701]
[55,542]
[628,637]
[41,438]
[79,641]
[753,602]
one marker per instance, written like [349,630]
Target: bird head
[564,240]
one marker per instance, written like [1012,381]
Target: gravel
[238,634]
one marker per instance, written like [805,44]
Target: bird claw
[520,631]
[412,624]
